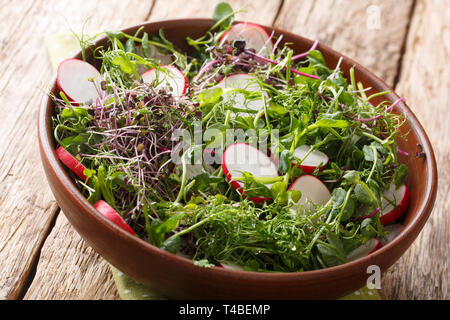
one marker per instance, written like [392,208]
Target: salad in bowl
[240,154]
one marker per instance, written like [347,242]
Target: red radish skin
[70,162]
[393,231]
[73,79]
[367,248]
[175,79]
[255,36]
[401,196]
[265,168]
[312,161]
[311,187]
[246,82]
[112,215]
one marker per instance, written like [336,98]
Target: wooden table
[405,42]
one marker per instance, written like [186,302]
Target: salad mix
[241,153]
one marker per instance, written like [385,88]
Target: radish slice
[394,230]
[255,37]
[242,157]
[367,248]
[245,82]
[73,78]
[112,215]
[312,189]
[170,77]
[315,159]
[401,197]
[230,266]
[70,162]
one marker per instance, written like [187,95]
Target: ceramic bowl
[177,277]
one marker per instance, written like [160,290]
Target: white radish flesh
[231,266]
[314,159]
[245,82]
[394,203]
[393,231]
[79,81]
[255,37]
[242,157]
[312,189]
[169,77]
[367,248]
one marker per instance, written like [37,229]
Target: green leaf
[159,229]
[352,176]
[145,46]
[209,97]
[400,175]
[362,195]
[125,64]
[171,244]
[285,162]
[254,188]
[278,189]
[331,123]
[130,46]
[275,110]
[223,11]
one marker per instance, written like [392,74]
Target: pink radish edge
[62,86]
[71,162]
[107,211]
[186,81]
[245,24]
[399,209]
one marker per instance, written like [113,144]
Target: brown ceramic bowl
[177,277]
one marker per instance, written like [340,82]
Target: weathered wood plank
[69,269]
[26,204]
[259,11]
[423,272]
[371,32]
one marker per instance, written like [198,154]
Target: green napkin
[130,289]
[62,46]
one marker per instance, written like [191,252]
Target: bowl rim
[57,170]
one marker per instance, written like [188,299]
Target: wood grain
[26,203]
[371,32]
[259,11]
[69,269]
[423,271]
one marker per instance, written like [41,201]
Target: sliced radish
[242,81]
[112,215]
[79,80]
[400,197]
[315,159]
[230,266]
[242,157]
[70,162]
[311,188]
[393,231]
[255,37]
[170,77]
[367,248]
